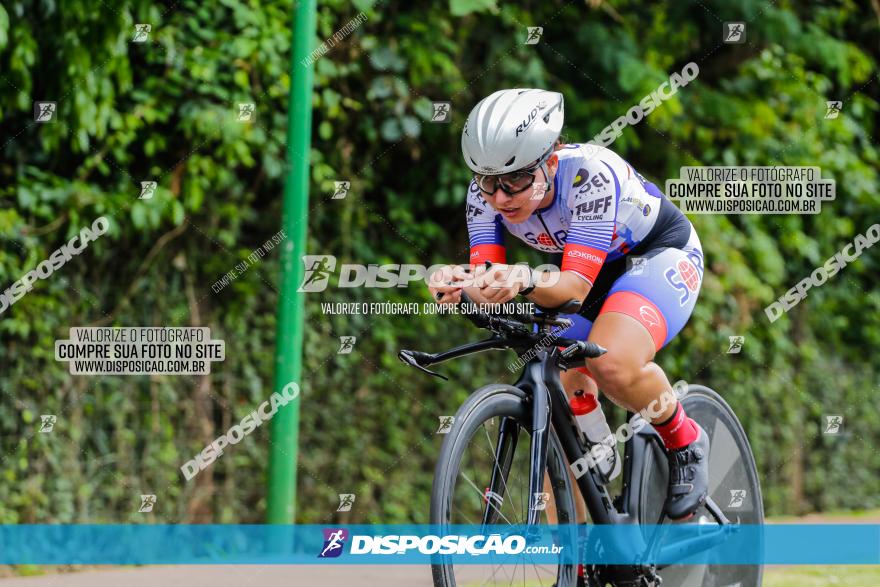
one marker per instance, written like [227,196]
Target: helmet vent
[510,162]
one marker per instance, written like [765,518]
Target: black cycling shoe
[688,477]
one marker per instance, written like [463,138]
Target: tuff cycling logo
[334,542]
[593,209]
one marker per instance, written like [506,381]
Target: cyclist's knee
[615,372]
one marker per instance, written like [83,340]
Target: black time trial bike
[507,443]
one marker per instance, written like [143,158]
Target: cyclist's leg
[579,378]
[627,373]
[642,313]
[573,380]
[646,308]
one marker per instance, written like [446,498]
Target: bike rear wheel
[464,469]
[733,485]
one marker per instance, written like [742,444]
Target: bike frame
[541,383]
[540,380]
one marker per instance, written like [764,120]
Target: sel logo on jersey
[688,274]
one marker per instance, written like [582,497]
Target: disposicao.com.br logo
[394,544]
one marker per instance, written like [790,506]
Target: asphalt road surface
[236,576]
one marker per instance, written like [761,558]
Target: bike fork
[505,447]
[540,441]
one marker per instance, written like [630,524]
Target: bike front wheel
[492,434]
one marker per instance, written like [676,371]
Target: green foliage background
[166,110]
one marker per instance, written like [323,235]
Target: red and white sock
[677,431]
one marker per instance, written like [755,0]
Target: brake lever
[410,359]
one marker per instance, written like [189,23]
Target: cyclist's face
[518,207]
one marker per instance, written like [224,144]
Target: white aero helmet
[511,130]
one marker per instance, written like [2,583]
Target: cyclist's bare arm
[552,288]
[568,286]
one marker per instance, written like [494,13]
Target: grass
[812,576]
[831,517]
[822,576]
[825,575]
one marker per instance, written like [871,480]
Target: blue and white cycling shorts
[658,288]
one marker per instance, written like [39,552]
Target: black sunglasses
[511,183]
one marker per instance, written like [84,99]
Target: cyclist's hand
[499,283]
[445,284]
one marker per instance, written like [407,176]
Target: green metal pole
[289,337]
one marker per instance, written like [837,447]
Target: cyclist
[587,205]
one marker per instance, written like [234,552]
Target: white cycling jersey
[602,209]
